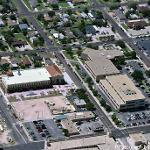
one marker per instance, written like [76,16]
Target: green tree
[103,102]
[108,108]
[133,5]
[40,17]
[55,6]
[137,75]
[13,17]
[90,106]
[66,132]
[24,20]
[121,43]
[147,73]
[51,13]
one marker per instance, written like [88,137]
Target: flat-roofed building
[23,80]
[80,116]
[85,143]
[98,62]
[80,103]
[105,34]
[123,93]
[99,68]
[69,125]
[107,53]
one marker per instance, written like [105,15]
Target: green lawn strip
[28,4]
[63,5]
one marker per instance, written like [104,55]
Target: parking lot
[43,129]
[135,118]
[133,65]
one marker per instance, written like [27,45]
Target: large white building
[22,80]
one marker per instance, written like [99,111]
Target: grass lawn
[40,7]
[28,4]
[68,56]
[126,49]
[125,26]
[109,1]
[5,28]
[63,5]
[20,36]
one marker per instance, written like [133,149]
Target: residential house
[52,1]
[1,23]
[26,61]
[142,7]
[90,30]
[23,26]
[19,43]
[11,23]
[78,1]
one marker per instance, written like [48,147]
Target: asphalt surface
[40,145]
[117,133]
[128,40]
[110,126]
[23,9]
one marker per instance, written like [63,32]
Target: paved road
[128,40]
[51,48]
[33,13]
[74,77]
[115,132]
[40,145]
[33,21]
[17,132]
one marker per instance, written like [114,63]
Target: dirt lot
[43,108]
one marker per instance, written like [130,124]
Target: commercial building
[69,125]
[105,52]
[80,116]
[97,126]
[123,93]
[100,68]
[90,143]
[22,80]
[80,103]
[142,7]
[98,62]
[57,76]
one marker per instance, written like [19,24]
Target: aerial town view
[74,74]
